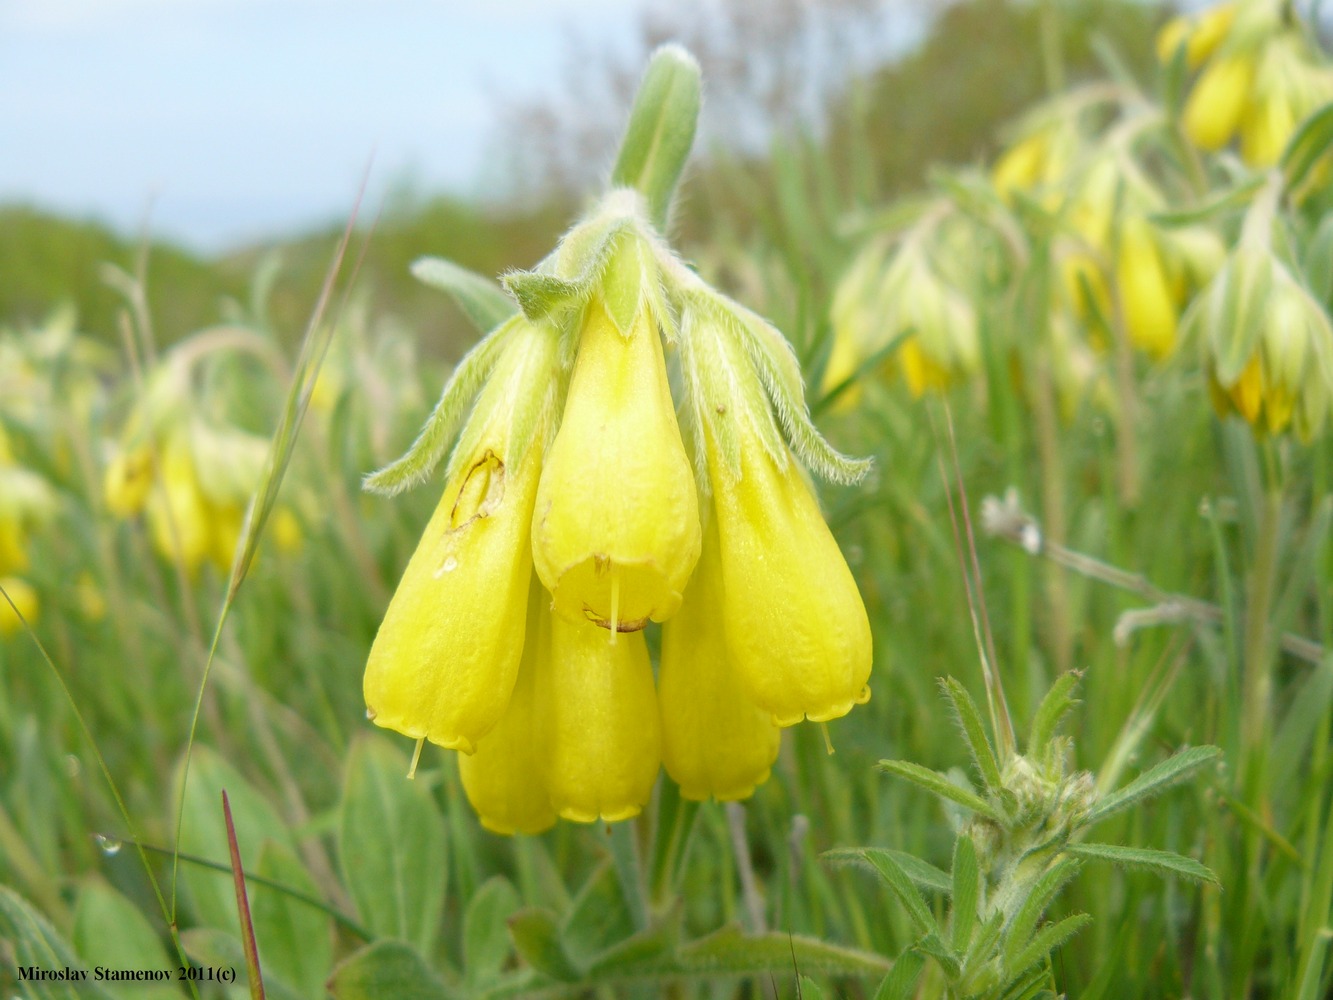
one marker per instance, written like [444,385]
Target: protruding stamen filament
[828,741]
[416,756]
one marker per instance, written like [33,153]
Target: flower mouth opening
[617,596]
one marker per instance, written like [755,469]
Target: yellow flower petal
[616,530]
[1265,129]
[445,658]
[1218,100]
[128,478]
[1145,294]
[13,550]
[505,778]
[796,628]
[24,598]
[605,737]
[179,518]
[716,743]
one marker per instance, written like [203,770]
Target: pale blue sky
[236,119]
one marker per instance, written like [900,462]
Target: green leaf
[966,891]
[906,892]
[386,969]
[1319,263]
[1047,940]
[1306,147]
[1153,781]
[598,916]
[1232,200]
[651,948]
[295,939]
[661,129]
[944,956]
[779,372]
[923,873]
[36,943]
[900,983]
[480,299]
[537,937]
[486,941]
[965,709]
[441,427]
[212,894]
[391,845]
[808,989]
[933,781]
[110,931]
[544,297]
[731,952]
[1146,858]
[1237,307]
[623,281]
[1040,895]
[1054,705]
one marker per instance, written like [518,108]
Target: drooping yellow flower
[1217,102]
[604,745]
[179,519]
[24,598]
[445,658]
[716,743]
[1146,303]
[505,777]
[1201,35]
[796,628]
[1023,165]
[128,480]
[616,530]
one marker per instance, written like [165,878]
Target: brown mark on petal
[482,492]
[601,564]
[621,626]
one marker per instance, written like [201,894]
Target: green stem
[1258,654]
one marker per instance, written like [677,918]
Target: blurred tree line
[811,109]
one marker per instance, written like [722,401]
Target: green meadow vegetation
[1064,272]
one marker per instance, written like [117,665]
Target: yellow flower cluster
[25,499]
[897,295]
[1266,342]
[1110,245]
[189,479]
[574,514]
[1258,77]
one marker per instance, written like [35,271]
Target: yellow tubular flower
[226,522]
[605,741]
[24,598]
[505,778]
[1145,294]
[796,628]
[179,518]
[446,655]
[13,551]
[1265,129]
[127,482]
[1215,105]
[616,531]
[1022,165]
[919,371]
[286,529]
[716,743]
